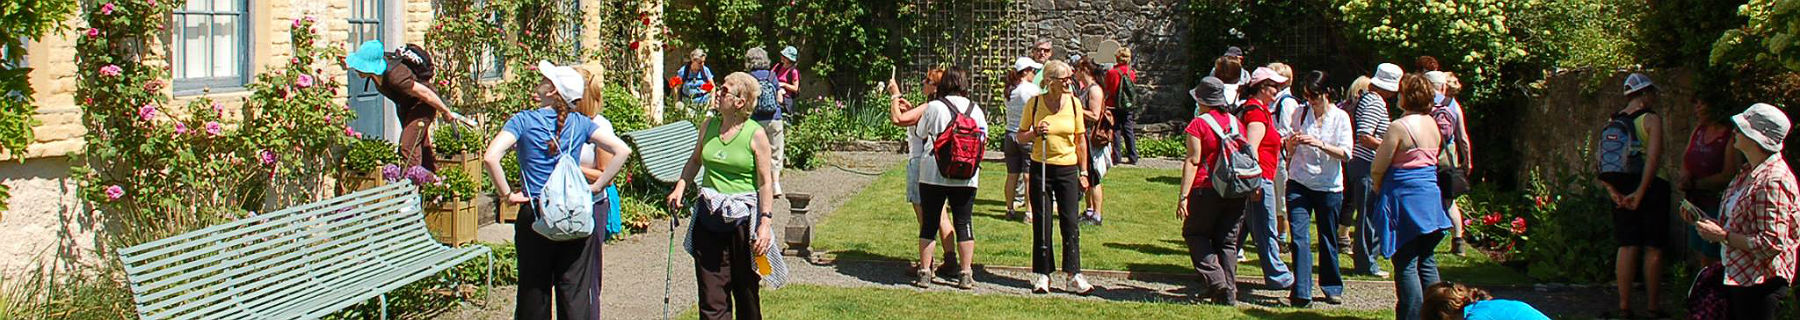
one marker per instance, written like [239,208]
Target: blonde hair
[745,88]
[1282,69]
[1058,69]
[593,97]
[1124,55]
[1358,88]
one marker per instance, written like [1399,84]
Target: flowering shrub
[1494,221]
[450,140]
[1469,37]
[296,122]
[1571,237]
[450,185]
[370,154]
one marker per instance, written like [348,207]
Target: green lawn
[819,302]
[1141,233]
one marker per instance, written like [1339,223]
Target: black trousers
[559,269]
[1061,184]
[596,245]
[962,208]
[1211,232]
[726,274]
[1756,302]
[1127,135]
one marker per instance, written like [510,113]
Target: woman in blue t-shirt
[541,137]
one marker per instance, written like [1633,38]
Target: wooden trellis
[982,35]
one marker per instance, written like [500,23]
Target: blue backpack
[1618,145]
[766,107]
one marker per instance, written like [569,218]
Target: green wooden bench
[302,262]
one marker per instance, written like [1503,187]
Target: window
[208,44]
[576,20]
[14,59]
[491,64]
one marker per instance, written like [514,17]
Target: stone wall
[1561,127]
[1156,31]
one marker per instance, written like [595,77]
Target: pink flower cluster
[147,112]
[114,192]
[106,9]
[268,157]
[93,32]
[111,70]
[304,81]
[213,128]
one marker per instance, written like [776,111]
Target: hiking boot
[924,278]
[1333,300]
[966,280]
[1456,246]
[1090,217]
[949,271]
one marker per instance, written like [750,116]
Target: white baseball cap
[1438,77]
[1637,81]
[568,82]
[1387,77]
[1264,73]
[1024,63]
[1764,124]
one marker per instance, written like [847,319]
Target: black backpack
[417,60]
[1618,141]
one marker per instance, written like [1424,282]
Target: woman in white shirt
[906,114]
[935,190]
[1319,146]
[1018,155]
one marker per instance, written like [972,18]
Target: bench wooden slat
[664,150]
[292,244]
[289,241]
[178,241]
[305,261]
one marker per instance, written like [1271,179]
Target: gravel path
[634,267]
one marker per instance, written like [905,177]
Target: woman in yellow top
[1059,166]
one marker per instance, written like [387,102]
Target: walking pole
[669,262]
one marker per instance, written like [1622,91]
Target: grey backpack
[1235,174]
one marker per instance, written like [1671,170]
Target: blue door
[365,25]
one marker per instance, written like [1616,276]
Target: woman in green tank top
[734,154]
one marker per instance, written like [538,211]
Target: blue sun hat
[368,58]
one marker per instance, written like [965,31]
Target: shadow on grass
[1168,180]
[1149,249]
[1293,314]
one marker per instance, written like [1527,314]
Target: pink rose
[147,112]
[106,9]
[311,19]
[153,3]
[268,157]
[213,128]
[180,128]
[114,192]
[111,70]
[296,23]
[220,108]
[328,119]
[93,32]
[304,81]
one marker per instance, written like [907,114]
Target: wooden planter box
[507,212]
[350,181]
[452,223]
[469,162]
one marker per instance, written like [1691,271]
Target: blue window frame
[366,24]
[208,44]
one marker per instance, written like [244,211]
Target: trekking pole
[669,262]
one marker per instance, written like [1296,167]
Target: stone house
[214,47]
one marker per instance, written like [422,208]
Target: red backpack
[960,146]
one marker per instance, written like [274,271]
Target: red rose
[708,86]
[674,82]
[634,46]
[1518,225]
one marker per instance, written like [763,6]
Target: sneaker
[1241,257]
[966,281]
[1041,285]
[1012,214]
[1456,246]
[1299,303]
[1080,284]
[924,278]
[1383,274]
[1090,218]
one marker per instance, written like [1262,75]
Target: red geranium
[708,86]
[674,82]
[1491,219]
[1518,225]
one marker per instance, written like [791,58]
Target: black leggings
[962,205]
[553,271]
[1061,184]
